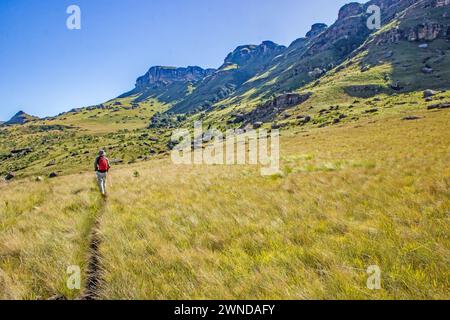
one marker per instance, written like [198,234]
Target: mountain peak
[350,9]
[164,75]
[20,117]
[316,29]
[244,53]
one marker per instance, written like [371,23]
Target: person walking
[101,168]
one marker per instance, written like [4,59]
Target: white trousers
[101,179]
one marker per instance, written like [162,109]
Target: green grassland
[370,192]
[68,143]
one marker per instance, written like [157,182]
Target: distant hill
[20,118]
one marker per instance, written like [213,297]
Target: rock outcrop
[268,111]
[350,10]
[426,30]
[243,54]
[163,76]
[316,29]
[441,3]
[242,64]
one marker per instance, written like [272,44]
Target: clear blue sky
[46,68]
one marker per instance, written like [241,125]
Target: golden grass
[376,194]
[44,229]
[371,193]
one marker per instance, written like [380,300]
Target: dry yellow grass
[44,229]
[371,193]
[351,197]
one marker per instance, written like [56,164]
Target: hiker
[101,168]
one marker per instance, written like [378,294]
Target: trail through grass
[44,229]
[351,196]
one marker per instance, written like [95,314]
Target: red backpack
[103,164]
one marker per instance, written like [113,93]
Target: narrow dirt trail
[93,271]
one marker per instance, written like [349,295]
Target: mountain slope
[307,59]
[239,66]
[20,118]
[410,53]
[255,73]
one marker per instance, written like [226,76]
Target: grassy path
[94,269]
[45,228]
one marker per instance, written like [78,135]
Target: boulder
[429,93]
[53,175]
[365,68]
[304,119]
[10,176]
[396,86]
[409,118]
[257,125]
[427,70]
[439,106]
[23,151]
[275,126]
[51,163]
[389,54]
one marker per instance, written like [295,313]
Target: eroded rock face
[422,32]
[160,76]
[316,29]
[427,32]
[269,110]
[242,54]
[350,10]
[441,3]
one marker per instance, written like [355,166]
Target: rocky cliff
[261,71]
[162,76]
[239,66]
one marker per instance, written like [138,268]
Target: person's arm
[109,165]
